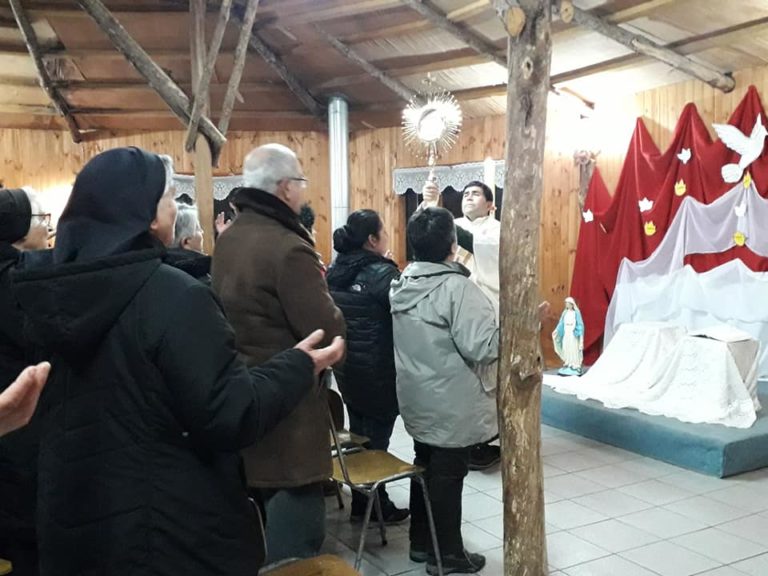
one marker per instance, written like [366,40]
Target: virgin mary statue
[569,339]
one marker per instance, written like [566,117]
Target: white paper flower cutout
[588,216]
[685,155]
[645,205]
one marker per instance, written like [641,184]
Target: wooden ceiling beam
[28,109]
[30,39]
[81,53]
[440,62]
[471,38]
[350,54]
[126,9]
[685,47]
[241,52]
[459,15]
[155,76]
[201,100]
[276,63]
[639,11]
[236,115]
[647,47]
[345,10]
[123,85]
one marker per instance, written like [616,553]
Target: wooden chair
[350,442]
[364,471]
[326,565]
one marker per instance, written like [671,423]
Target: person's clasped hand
[18,401]
[323,358]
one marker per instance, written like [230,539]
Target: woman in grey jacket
[446,337]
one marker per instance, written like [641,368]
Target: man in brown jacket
[270,281]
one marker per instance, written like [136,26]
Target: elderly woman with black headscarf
[23,227]
[147,403]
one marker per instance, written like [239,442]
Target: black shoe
[466,563]
[484,456]
[392,515]
[418,555]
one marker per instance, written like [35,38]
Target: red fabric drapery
[620,230]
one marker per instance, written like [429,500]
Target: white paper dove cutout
[740,209]
[750,147]
[588,216]
[685,155]
[645,205]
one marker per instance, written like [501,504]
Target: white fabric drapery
[663,288]
[704,377]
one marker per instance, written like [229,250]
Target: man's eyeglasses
[303,181]
[43,219]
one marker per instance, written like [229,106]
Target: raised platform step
[707,448]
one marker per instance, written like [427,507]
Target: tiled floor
[608,513]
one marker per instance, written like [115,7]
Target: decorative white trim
[222,185]
[455,176]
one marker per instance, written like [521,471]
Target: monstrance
[431,123]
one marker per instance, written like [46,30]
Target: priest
[478,234]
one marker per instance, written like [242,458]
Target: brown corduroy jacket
[270,281]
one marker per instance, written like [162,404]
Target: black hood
[15,215]
[113,202]
[70,307]
[346,267]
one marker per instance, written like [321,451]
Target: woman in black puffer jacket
[359,282]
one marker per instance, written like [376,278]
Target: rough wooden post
[203,153]
[520,366]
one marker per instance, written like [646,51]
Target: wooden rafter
[685,47]
[444,61]
[471,38]
[276,63]
[165,87]
[123,85]
[201,90]
[459,15]
[81,53]
[241,51]
[30,39]
[306,15]
[635,12]
[647,47]
[390,82]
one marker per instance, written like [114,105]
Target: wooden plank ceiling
[105,92]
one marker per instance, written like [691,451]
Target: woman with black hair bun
[359,282]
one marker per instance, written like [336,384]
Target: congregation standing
[184,426]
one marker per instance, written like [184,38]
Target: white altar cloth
[709,376]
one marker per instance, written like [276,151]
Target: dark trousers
[379,431]
[295,521]
[446,469]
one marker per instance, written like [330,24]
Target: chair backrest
[336,406]
[337,444]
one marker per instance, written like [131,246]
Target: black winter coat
[359,284]
[142,419]
[18,450]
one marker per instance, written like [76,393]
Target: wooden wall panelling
[49,161]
